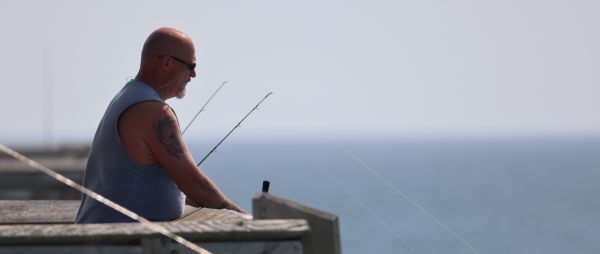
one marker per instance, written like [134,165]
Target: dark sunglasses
[190,66]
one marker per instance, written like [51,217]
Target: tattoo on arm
[167,133]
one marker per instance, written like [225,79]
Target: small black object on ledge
[265,186]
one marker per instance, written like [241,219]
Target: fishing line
[349,192]
[143,221]
[364,165]
[202,109]
[406,197]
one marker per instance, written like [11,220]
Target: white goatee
[181,94]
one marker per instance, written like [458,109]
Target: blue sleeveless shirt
[145,190]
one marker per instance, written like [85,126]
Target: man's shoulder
[150,109]
[144,114]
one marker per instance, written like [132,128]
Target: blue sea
[486,195]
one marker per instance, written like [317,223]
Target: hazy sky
[400,68]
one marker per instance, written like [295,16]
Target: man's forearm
[208,195]
[226,204]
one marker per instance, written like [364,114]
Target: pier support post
[324,236]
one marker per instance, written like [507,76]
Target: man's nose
[193,73]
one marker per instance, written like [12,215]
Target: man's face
[187,72]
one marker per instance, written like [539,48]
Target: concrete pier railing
[324,236]
[279,226]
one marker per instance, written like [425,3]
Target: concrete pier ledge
[45,226]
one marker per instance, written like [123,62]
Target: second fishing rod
[232,130]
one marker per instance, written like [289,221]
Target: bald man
[138,158]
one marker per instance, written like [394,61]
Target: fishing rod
[202,109]
[235,127]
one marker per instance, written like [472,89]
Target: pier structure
[37,215]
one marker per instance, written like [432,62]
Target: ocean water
[512,195]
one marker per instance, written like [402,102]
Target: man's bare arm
[174,155]
[160,133]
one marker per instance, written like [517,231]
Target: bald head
[168,41]
[168,62]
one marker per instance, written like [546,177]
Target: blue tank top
[145,190]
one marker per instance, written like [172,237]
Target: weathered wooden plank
[205,214]
[38,211]
[71,151]
[62,164]
[35,186]
[266,247]
[126,233]
[324,236]
[73,249]
[249,247]
[64,211]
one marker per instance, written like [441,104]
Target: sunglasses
[190,66]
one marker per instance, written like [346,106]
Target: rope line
[158,228]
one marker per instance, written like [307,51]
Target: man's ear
[165,62]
